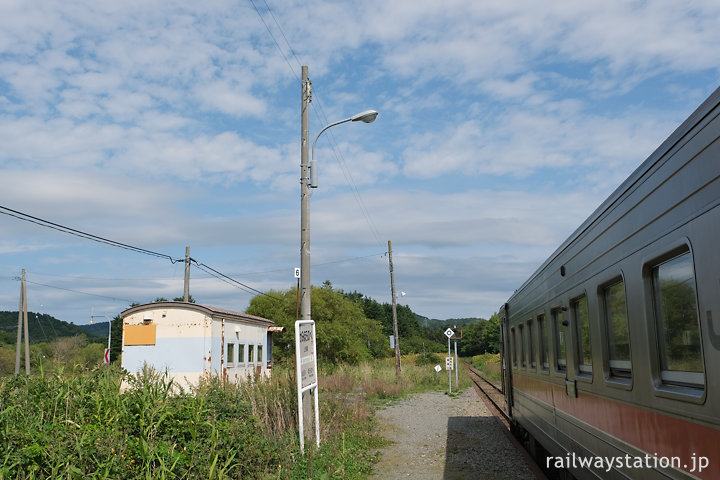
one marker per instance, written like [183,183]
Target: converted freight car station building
[191,341]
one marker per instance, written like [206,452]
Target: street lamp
[308,170]
[368,116]
[308,179]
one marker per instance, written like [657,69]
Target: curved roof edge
[205,309]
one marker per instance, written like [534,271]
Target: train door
[506,366]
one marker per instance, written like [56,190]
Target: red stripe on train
[651,432]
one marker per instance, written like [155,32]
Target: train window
[559,331]
[513,347]
[582,323]
[531,345]
[618,336]
[543,338]
[678,324]
[521,334]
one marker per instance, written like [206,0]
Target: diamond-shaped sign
[449,333]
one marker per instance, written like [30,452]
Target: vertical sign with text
[306,370]
[306,354]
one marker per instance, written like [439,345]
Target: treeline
[54,344]
[42,327]
[352,327]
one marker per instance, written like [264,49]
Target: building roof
[213,312]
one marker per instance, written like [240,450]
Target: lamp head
[367,116]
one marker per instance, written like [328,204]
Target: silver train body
[611,349]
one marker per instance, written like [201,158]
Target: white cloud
[229,99]
[168,123]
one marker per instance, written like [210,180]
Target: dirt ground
[437,436]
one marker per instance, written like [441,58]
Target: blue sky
[502,126]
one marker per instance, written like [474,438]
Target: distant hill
[97,329]
[46,328]
[450,322]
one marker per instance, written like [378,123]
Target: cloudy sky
[165,124]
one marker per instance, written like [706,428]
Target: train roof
[635,178]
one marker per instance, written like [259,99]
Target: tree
[344,333]
[116,331]
[182,299]
[481,337]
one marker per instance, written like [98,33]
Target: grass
[489,365]
[106,424]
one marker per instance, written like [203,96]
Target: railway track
[491,394]
[493,398]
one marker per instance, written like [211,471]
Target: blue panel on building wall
[174,354]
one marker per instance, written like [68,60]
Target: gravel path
[436,436]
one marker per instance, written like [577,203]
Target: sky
[166,124]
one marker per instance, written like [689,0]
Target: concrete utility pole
[306,98]
[305,312]
[22,320]
[186,294]
[394,314]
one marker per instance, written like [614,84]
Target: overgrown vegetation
[81,425]
[103,423]
[490,366]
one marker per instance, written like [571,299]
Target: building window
[678,321]
[241,353]
[251,353]
[543,336]
[230,353]
[559,328]
[521,334]
[260,354]
[582,322]
[616,321]
[531,345]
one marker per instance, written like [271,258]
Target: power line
[320,114]
[80,292]
[227,279]
[267,27]
[78,233]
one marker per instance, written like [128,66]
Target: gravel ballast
[437,436]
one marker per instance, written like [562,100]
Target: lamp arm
[321,132]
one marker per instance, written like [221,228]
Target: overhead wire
[320,113]
[78,233]
[80,292]
[267,27]
[226,278]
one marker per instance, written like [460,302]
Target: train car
[611,349]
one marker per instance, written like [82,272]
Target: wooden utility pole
[22,322]
[186,293]
[394,314]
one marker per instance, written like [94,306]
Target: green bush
[428,359]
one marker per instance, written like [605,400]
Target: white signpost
[448,360]
[306,368]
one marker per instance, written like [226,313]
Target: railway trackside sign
[306,373]
[306,359]
[449,332]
